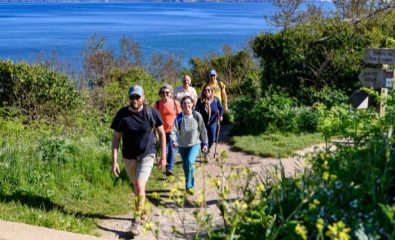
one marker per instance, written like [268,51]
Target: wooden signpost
[376,78]
[379,56]
[379,78]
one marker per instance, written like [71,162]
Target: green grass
[51,178]
[275,144]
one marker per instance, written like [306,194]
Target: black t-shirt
[138,139]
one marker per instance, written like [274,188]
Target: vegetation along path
[173,216]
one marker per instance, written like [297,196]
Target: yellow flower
[314,204]
[325,176]
[301,231]
[320,224]
[338,231]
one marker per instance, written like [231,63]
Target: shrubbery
[347,192]
[36,91]
[274,113]
[318,54]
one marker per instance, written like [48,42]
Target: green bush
[344,193]
[36,91]
[274,113]
[319,54]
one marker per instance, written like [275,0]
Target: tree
[98,62]
[356,10]
[130,54]
[286,15]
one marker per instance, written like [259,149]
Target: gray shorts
[139,170]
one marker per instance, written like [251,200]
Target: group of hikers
[182,120]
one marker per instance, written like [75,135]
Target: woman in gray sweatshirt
[189,135]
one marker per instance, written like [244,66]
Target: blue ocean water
[185,29]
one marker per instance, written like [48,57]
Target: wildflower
[314,204]
[338,231]
[325,176]
[320,224]
[301,231]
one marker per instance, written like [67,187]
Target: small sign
[360,100]
[377,78]
[389,78]
[379,56]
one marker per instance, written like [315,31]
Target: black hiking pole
[218,129]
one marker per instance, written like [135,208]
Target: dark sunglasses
[165,92]
[134,97]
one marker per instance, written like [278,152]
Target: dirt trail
[182,218]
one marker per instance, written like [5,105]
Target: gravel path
[170,216]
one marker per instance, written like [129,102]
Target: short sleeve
[117,122]
[157,118]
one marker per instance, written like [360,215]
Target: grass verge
[275,144]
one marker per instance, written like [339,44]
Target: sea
[186,30]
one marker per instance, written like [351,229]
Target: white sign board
[379,56]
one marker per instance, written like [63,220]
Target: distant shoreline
[133,1]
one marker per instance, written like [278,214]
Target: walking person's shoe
[190,191]
[169,172]
[136,228]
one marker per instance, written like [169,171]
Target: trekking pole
[216,141]
[200,156]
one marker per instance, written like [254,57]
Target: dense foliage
[348,192]
[319,54]
[36,91]
[237,70]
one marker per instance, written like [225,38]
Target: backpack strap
[179,120]
[175,106]
[150,116]
[195,116]
[157,105]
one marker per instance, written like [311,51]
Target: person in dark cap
[136,124]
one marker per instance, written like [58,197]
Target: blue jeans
[170,153]
[188,156]
[211,134]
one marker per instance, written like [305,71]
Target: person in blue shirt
[210,107]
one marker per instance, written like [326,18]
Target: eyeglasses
[134,97]
[165,92]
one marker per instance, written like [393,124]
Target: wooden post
[383,97]
[383,101]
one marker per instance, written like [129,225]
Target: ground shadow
[121,234]
[43,203]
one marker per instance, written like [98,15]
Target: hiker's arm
[115,144]
[162,140]
[224,99]
[203,134]
[173,134]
